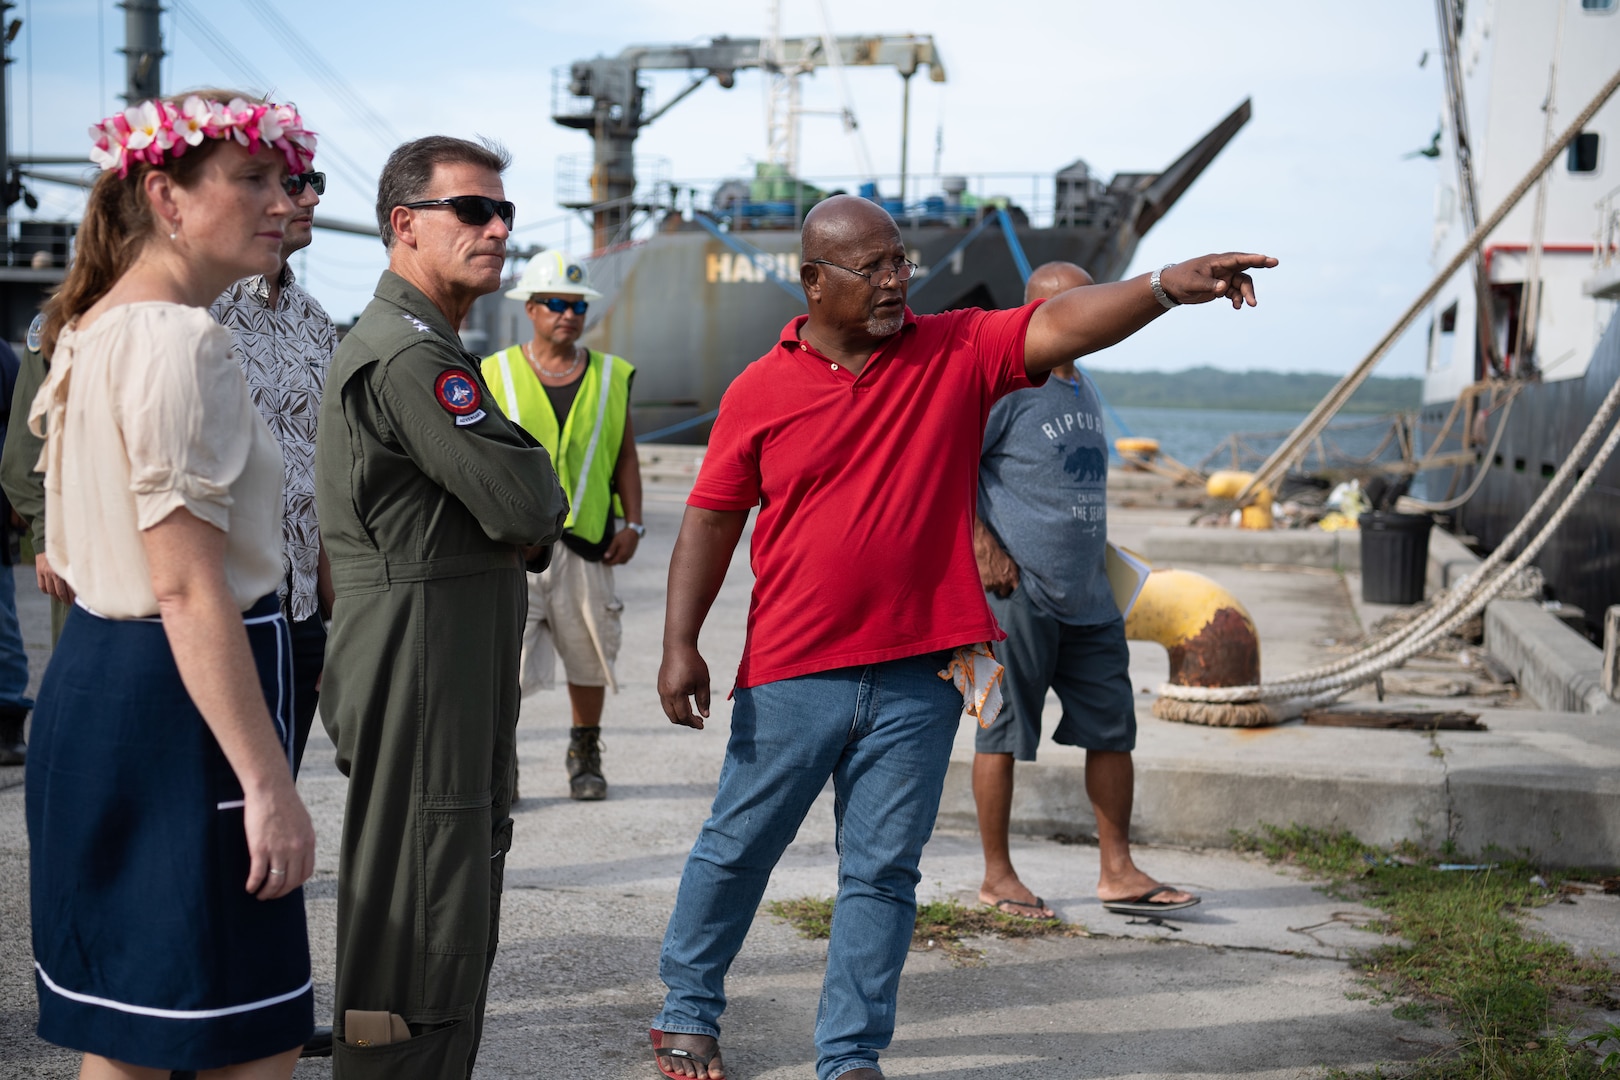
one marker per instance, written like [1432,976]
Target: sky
[1317,178]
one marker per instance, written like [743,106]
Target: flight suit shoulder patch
[459,394]
[36,332]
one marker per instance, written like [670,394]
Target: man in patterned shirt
[284,339]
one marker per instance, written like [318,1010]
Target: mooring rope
[1407,504]
[1468,598]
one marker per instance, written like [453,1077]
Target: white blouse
[146,412]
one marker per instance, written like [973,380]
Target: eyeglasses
[898,271]
[471,209]
[294,185]
[557,305]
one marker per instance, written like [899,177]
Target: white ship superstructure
[1510,53]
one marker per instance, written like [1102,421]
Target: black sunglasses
[558,305]
[294,185]
[471,209]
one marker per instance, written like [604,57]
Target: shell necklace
[563,374]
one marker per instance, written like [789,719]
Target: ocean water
[1191,435]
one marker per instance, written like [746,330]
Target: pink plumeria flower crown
[157,131]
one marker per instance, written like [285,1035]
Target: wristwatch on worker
[636,527]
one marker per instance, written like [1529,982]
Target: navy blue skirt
[147,947]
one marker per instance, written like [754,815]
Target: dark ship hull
[1581,561]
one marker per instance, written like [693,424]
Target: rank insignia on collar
[36,331]
[459,395]
[418,323]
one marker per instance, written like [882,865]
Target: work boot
[12,749]
[584,763]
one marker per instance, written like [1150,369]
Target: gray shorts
[573,613]
[1088,667]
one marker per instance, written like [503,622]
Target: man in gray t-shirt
[1039,539]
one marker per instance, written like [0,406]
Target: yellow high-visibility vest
[586,450]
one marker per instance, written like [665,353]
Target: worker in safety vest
[576,402]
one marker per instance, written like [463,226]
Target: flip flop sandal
[1142,905]
[660,1051]
[1007,900]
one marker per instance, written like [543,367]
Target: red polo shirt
[863,550]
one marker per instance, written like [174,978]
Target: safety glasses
[557,305]
[471,209]
[294,185]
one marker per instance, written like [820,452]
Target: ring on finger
[278,873]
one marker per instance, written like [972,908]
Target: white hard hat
[554,272]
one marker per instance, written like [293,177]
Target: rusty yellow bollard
[1211,641]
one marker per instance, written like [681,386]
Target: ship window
[1597,5]
[1518,464]
[1583,152]
[1548,470]
[1448,319]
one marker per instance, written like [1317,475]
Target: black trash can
[1394,556]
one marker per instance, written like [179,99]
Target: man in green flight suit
[24,487]
[576,401]
[429,502]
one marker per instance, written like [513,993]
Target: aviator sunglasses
[471,209]
[294,185]
[557,305]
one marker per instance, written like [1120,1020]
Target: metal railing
[575,171]
[564,102]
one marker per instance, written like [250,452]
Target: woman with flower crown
[167,842]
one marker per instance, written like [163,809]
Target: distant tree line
[1272,391]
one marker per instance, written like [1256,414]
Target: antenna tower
[781,95]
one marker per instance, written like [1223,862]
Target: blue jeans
[883,733]
[13,660]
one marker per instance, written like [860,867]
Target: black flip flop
[1140,905]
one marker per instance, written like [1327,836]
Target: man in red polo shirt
[858,437]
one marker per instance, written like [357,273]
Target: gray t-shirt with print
[1043,479]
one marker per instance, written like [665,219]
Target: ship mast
[1485,335]
[143,50]
[13,185]
[1530,310]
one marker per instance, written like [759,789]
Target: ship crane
[606,98]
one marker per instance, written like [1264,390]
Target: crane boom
[607,99]
[907,52]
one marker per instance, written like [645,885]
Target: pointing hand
[1198,281]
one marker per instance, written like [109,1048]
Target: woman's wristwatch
[636,527]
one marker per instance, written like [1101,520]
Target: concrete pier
[1253,983]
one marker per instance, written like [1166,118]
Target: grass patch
[1468,960]
[811,916]
[941,925]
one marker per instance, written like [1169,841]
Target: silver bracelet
[1164,298]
